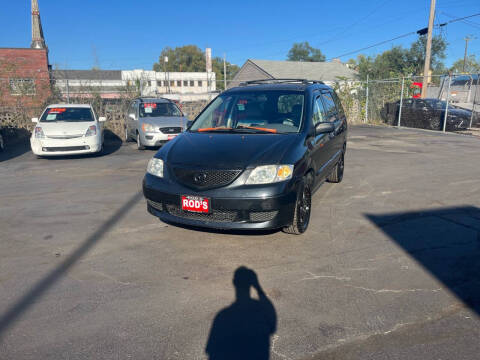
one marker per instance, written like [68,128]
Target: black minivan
[252,158]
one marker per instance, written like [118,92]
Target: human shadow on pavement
[243,329]
[445,241]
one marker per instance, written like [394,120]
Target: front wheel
[139,143]
[303,208]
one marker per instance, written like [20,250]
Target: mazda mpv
[251,159]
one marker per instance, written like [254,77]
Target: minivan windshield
[155,109]
[270,111]
[67,114]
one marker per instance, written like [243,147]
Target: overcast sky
[130,34]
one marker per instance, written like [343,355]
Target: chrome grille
[171,130]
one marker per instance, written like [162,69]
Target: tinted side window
[338,103]
[318,111]
[330,108]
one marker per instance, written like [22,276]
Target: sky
[130,34]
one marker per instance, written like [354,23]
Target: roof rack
[263,81]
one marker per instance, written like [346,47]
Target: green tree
[190,58]
[304,52]
[399,61]
[472,65]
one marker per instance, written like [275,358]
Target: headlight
[39,133]
[92,130]
[155,167]
[146,127]
[267,174]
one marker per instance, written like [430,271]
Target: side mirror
[35,120]
[132,116]
[322,128]
[102,119]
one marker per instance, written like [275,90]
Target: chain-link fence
[452,102]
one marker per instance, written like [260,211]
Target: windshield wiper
[257,129]
[220,128]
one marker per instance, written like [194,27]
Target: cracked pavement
[387,270]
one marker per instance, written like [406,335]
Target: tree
[399,61]
[304,52]
[190,58]
[472,66]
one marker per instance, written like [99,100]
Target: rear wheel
[303,208]
[139,143]
[337,174]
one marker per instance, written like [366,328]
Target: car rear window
[67,114]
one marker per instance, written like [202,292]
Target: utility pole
[467,39]
[428,52]
[224,71]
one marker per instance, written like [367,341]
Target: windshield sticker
[150,105]
[148,110]
[56,110]
[51,116]
[240,107]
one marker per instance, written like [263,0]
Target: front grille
[65,136]
[261,216]
[214,216]
[171,130]
[203,179]
[66,148]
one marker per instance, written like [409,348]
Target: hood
[227,151]
[460,112]
[65,128]
[161,121]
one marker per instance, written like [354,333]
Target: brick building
[25,72]
[24,77]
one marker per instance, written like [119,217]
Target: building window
[22,87]
[192,83]
[172,83]
[200,83]
[185,83]
[179,83]
[160,83]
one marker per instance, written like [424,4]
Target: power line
[374,45]
[401,36]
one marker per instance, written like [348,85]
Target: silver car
[153,121]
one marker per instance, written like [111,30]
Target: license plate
[196,204]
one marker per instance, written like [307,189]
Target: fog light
[149,137]
[87,147]
[44,149]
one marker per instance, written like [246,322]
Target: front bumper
[59,147]
[233,207]
[156,138]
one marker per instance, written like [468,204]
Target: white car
[67,129]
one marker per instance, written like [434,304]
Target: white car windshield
[67,114]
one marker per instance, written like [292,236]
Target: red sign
[195,204]
[170,137]
[150,105]
[56,110]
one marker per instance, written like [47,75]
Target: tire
[127,138]
[139,143]
[337,174]
[303,208]
[2,144]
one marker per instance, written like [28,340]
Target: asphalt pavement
[388,269]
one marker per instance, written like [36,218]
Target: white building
[185,86]
[110,84]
